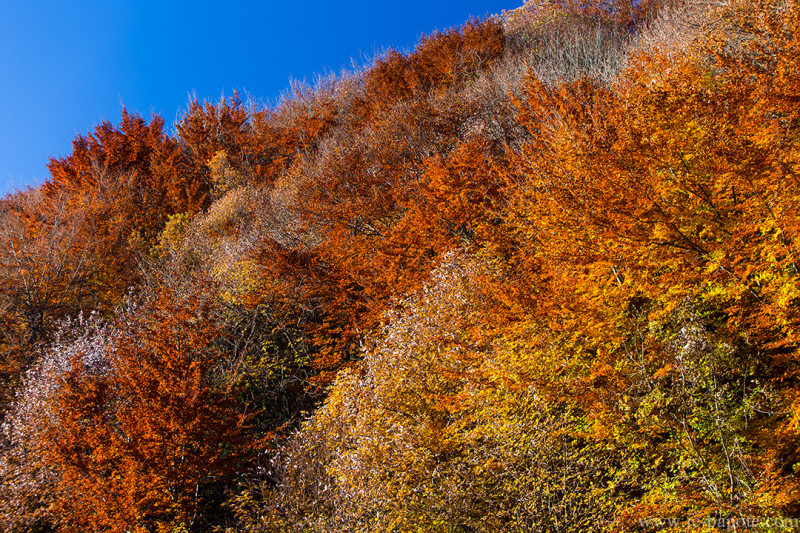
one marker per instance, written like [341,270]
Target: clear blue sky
[67,65]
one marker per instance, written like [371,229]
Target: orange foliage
[207,128]
[675,187]
[441,61]
[617,338]
[139,157]
[141,438]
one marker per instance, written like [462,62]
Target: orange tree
[662,211]
[141,439]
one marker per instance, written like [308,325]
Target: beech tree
[140,440]
[46,274]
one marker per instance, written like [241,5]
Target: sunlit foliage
[539,274]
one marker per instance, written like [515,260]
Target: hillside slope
[537,275]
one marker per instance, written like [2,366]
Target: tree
[141,443]
[28,484]
[46,274]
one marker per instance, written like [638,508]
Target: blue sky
[65,66]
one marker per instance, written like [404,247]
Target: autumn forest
[537,275]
